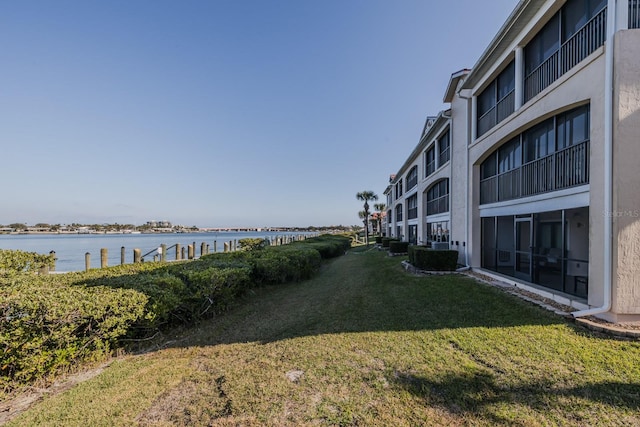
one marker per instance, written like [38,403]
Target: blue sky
[222,112]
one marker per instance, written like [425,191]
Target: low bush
[47,324]
[378,240]
[386,240]
[434,260]
[12,261]
[397,247]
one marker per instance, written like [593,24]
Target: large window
[438,231]
[398,189]
[430,161]
[497,101]
[438,198]
[539,141]
[412,207]
[444,148]
[571,35]
[412,178]
[551,155]
[399,213]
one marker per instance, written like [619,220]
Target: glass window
[412,178]
[539,141]
[507,81]
[430,156]
[576,13]
[412,207]
[573,127]
[438,231]
[488,167]
[487,99]
[443,147]
[510,156]
[543,45]
[438,198]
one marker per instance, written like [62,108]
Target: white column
[474,118]
[519,70]
[622,15]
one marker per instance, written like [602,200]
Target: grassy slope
[376,346]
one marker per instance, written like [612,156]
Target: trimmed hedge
[434,260]
[50,322]
[386,240]
[397,247]
[378,240]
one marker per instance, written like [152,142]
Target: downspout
[608,163]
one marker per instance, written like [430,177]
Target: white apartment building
[531,172]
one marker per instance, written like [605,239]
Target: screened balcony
[580,45]
[565,168]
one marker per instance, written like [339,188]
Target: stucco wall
[584,83]
[458,182]
[626,174]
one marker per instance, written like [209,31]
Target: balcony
[586,40]
[563,169]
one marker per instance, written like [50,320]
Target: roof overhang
[454,81]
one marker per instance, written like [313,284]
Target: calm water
[71,248]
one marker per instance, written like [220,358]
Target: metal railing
[566,168]
[586,40]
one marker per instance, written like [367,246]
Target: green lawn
[364,343]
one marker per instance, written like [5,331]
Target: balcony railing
[439,205]
[563,169]
[590,37]
[634,14]
[498,113]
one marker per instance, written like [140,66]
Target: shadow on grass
[363,291]
[366,293]
[479,393]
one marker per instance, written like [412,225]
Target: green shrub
[214,289]
[252,244]
[47,325]
[378,240]
[435,260]
[396,247]
[387,240]
[13,261]
[329,246]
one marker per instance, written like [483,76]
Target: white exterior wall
[459,182]
[626,175]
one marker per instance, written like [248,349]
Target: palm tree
[381,211]
[366,196]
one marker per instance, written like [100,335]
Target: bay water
[70,249]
